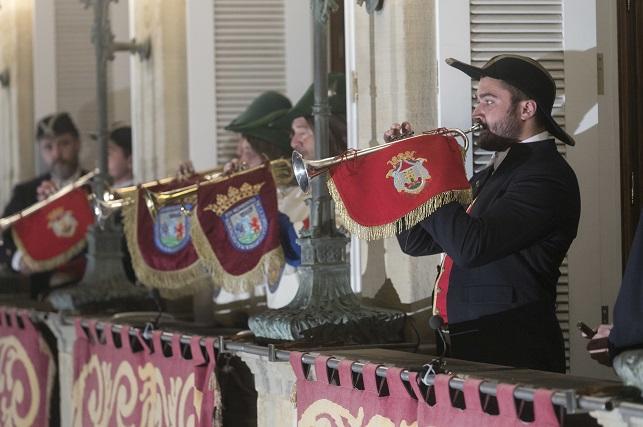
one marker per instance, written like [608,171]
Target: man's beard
[506,133]
[64,170]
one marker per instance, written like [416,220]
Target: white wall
[201,71]
[595,256]
[201,88]
[299,47]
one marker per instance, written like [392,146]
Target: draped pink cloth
[341,400]
[27,371]
[443,413]
[126,380]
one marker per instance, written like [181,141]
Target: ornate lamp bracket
[142,49]
[106,38]
[323,8]
[372,6]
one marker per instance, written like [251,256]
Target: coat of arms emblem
[172,228]
[62,222]
[246,224]
[409,173]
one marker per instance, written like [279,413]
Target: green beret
[260,119]
[336,99]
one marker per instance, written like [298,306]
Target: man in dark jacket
[497,288]
[59,145]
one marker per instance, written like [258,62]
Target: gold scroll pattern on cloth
[326,413]
[16,390]
[119,399]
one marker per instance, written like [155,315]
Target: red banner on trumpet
[163,255]
[397,187]
[54,233]
[236,230]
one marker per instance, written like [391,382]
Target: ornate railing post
[104,282]
[325,309]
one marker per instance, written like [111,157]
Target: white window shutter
[250,58]
[532,28]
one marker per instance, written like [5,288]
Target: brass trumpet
[115,199]
[103,208]
[208,175]
[8,221]
[304,170]
[281,169]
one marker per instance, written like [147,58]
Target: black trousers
[525,337]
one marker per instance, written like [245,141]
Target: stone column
[65,334]
[274,382]
[405,87]
[159,89]
[16,95]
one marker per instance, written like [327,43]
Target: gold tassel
[218,401]
[51,263]
[172,283]
[269,266]
[407,221]
[293,395]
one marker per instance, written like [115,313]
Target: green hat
[336,99]
[259,119]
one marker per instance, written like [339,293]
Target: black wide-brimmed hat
[527,75]
[55,125]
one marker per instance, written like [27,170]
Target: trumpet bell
[301,172]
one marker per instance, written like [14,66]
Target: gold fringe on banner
[172,284]
[404,223]
[270,265]
[51,263]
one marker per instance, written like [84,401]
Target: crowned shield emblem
[62,222]
[246,224]
[172,228]
[409,173]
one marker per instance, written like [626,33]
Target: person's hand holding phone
[598,342]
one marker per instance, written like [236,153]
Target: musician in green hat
[301,121]
[264,136]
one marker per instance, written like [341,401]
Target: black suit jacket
[507,251]
[627,332]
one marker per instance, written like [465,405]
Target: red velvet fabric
[366,185]
[62,224]
[150,384]
[235,256]
[27,370]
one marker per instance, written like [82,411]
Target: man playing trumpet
[59,146]
[496,292]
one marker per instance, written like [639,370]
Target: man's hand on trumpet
[233,166]
[398,131]
[186,170]
[46,189]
